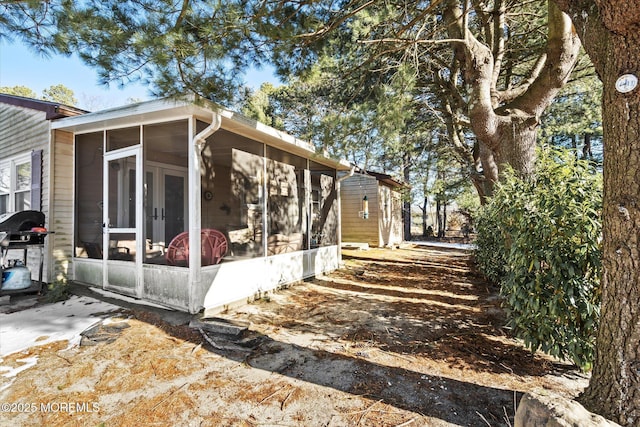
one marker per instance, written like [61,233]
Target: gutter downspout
[195,209]
[338,185]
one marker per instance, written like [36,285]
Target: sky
[20,66]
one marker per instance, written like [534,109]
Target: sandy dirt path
[405,337]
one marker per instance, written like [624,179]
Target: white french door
[165,205]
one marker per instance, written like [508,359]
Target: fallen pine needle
[366,411]
[406,423]
[285,400]
[169,396]
[507,368]
[388,353]
[65,359]
[272,394]
[483,418]
[196,348]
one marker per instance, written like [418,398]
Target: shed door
[123,220]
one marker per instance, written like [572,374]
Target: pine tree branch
[561,55]
[334,24]
[183,13]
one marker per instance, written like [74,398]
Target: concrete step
[355,246]
[225,328]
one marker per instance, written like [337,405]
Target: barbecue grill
[21,230]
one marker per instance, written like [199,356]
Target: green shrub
[57,291]
[546,254]
[490,252]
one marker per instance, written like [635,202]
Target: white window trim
[11,163]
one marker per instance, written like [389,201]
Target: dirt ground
[405,337]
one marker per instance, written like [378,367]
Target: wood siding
[62,211]
[23,130]
[384,225]
[354,227]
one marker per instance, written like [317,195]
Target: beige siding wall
[23,130]
[62,212]
[355,228]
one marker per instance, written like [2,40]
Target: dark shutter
[36,180]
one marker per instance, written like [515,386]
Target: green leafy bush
[57,291]
[540,239]
[490,253]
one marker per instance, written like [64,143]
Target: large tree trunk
[586,148]
[406,202]
[438,217]
[485,185]
[611,36]
[424,208]
[516,141]
[505,122]
[444,220]
[614,389]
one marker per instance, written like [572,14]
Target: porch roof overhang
[170,109]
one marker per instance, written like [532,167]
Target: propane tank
[16,277]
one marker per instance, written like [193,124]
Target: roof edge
[52,110]
[386,179]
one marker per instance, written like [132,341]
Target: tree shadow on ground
[435,396]
[418,317]
[462,335]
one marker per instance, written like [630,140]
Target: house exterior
[25,154]
[377,220]
[187,204]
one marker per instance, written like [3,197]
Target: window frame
[12,164]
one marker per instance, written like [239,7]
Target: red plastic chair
[214,248]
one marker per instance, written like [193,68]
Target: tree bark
[610,31]
[424,208]
[439,217]
[587,154]
[406,203]
[506,123]
[444,220]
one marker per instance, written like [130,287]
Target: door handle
[155,213]
[163,213]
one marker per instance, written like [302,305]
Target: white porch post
[338,187]
[140,215]
[265,203]
[195,205]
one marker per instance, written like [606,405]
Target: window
[15,184]
[88,197]
[286,202]
[233,192]
[166,195]
[324,206]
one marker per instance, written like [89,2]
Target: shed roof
[386,179]
[168,109]
[52,110]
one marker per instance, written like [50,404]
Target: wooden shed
[371,209]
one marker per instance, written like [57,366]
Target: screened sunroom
[192,206]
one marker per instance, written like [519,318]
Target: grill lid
[13,222]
